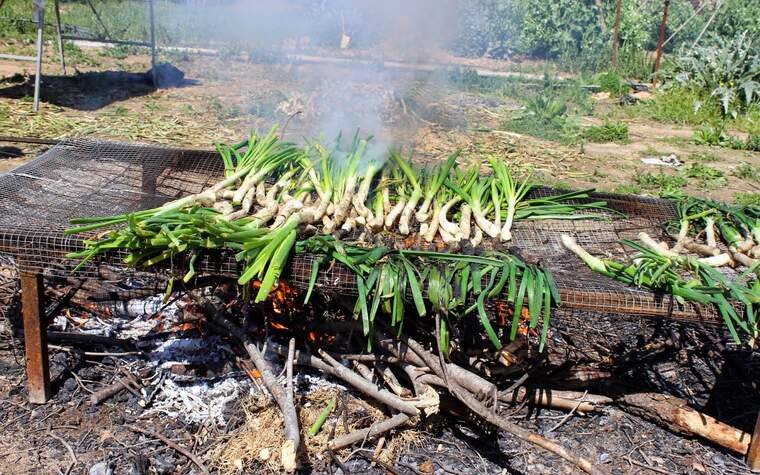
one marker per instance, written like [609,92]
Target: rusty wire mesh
[93,178]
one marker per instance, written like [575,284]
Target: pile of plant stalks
[708,235]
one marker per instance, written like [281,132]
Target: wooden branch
[369,433]
[563,400]
[109,391]
[674,413]
[170,443]
[382,395]
[490,416]
[292,436]
[289,415]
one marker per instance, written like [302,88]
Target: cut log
[676,415]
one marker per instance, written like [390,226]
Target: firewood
[675,414]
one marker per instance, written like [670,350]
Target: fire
[283,297]
[504,312]
[279,326]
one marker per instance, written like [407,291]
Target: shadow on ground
[91,91]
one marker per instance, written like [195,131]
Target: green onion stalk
[432,183]
[412,179]
[456,285]
[660,271]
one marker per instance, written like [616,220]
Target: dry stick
[73,456]
[677,416]
[563,400]
[292,436]
[464,395]
[369,433]
[382,395]
[490,416]
[111,390]
[170,443]
[289,415]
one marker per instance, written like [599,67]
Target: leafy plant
[607,132]
[708,177]
[660,182]
[612,82]
[747,199]
[728,70]
[745,171]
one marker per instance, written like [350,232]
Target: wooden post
[753,455]
[660,42]
[35,337]
[616,32]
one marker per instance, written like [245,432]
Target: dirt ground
[222,99]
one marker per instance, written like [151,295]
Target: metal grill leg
[35,337]
[753,456]
[39,6]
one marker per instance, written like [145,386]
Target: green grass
[609,131]
[660,183]
[707,177]
[627,189]
[685,106]
[704,157]
[676,105]
[747,198]
[745,171]
[612,82]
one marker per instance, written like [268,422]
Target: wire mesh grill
[94,178]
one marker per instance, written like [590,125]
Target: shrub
[612,82]
[728,71]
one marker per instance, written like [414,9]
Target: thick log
[676,415]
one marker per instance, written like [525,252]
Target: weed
[627,189]
[745,171]
[676,105]
[715,137]
[660,182]
[120,111]
[747,198]
[709,135]
[706,176]
[607,132]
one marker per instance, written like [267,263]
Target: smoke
[346,96]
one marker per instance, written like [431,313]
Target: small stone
[101,468]
[264,455]
[718,460]
[70,384]
[605,458]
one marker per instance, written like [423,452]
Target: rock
[167,75]
[101,468]
[605,458]
[70,384]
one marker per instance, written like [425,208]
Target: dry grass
[56,122]
[255,446]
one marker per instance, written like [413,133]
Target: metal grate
[93,178]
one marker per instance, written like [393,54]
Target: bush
[612,82]
[728,71]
